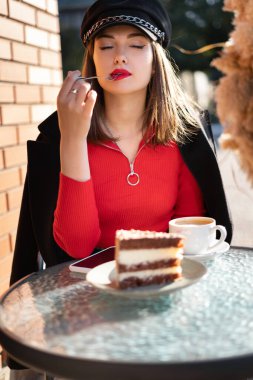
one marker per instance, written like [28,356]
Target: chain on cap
[123,18]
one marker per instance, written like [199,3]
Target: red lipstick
[119,74]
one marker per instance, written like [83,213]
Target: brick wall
[30,78]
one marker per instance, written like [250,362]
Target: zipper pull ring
[133,178]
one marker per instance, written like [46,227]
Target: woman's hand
[74,113]
[75,109]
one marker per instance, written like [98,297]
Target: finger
[68,82]
[83,88]
[89,104]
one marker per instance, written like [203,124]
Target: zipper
[133,178]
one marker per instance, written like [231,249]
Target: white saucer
[103,277]
[210,255]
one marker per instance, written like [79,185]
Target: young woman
[127,149]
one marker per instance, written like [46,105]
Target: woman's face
[124,53]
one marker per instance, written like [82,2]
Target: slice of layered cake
[146,257]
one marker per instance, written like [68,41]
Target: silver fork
[108,77]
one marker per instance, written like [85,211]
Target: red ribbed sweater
[88,213]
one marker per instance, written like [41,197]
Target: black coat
[34,233]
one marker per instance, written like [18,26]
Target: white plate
[103,278]
[211,254]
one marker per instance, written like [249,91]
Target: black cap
[149,16]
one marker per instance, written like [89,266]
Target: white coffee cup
[199,233]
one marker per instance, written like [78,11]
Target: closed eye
[133,46]
[138,46]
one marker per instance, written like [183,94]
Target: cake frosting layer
[138,256]
[149,265]
[135,239]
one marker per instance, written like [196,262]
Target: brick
[5,49]
[48,22]
[15,114]
[13,72]
[14,198]
[37,3]
[40,112]
[9,221]
[11,30]
[25,53]
[8,136]
[6,93]
[56,77]
[27,94]
[5,246]
[39,75]
[15,155]
[54,42]
[3,7]
[49,58]
[3,203]
[1,159]
[52,7]
[5,267]
[49,94]
[9,179]
[21,12]
[22,173]
[27,132]
[37,37]
[13,236]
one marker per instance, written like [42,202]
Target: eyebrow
[131,35]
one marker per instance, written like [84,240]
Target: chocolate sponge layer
[133,282]
[151,243]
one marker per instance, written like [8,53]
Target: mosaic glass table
[54,321]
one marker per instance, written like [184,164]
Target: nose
[119,59]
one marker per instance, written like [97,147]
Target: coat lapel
[43,185]
[200,159]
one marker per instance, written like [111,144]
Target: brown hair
[169,113]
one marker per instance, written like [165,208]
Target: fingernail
[92,93]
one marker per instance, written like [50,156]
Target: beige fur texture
[234,93]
